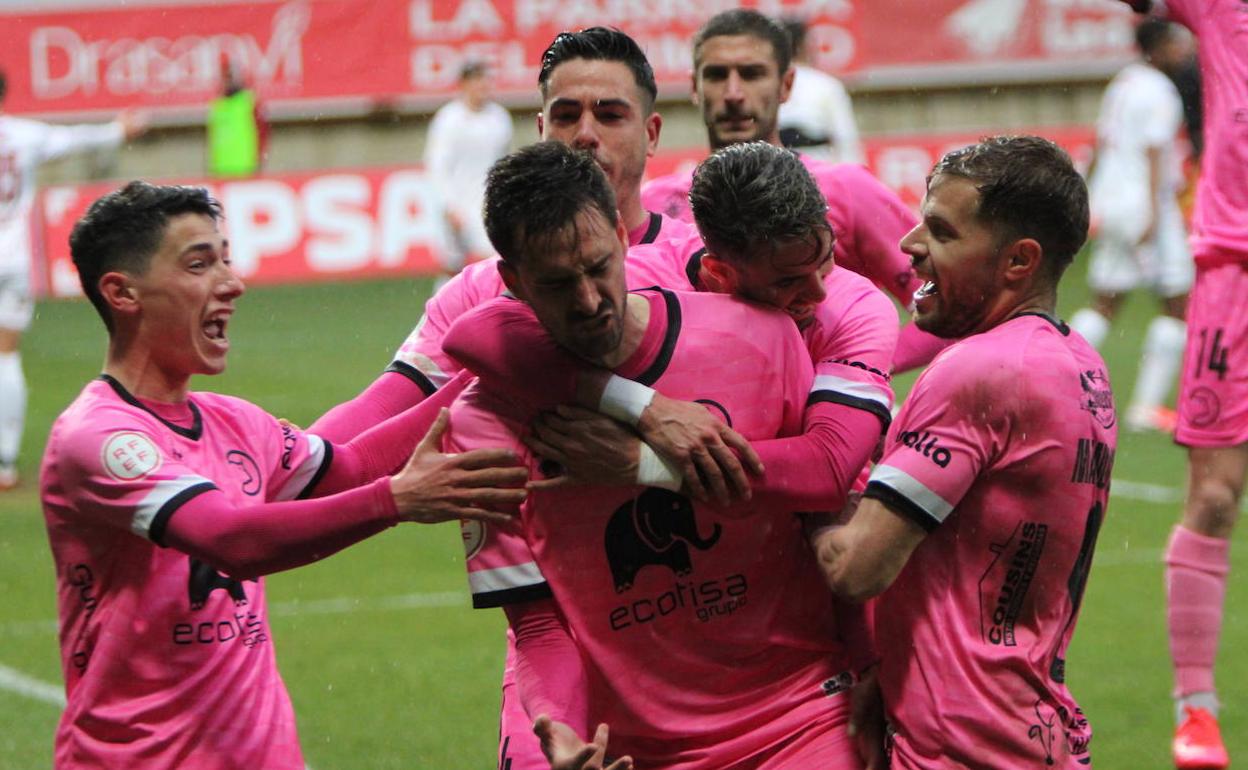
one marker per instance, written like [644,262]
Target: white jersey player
[24,145]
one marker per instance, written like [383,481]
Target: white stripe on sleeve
[307,470]
[859,390]
[913,490]
[162,492]
[505,578]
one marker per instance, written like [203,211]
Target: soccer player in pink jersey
[1213,394]
[742,72]
[978,525]
[598,94]
[638,577]
[155,497]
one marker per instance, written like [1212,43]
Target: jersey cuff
[857,402]
[326,460]
[160,522]
[415,375]
[899,503]
[506,596]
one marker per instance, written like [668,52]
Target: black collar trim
[652,232]
[1058,323]
[193,433]
[664,356]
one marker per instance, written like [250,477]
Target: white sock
[12,406]
[1163,353]
[1092,325]
[1197,700]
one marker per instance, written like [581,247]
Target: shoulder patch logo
[129,455]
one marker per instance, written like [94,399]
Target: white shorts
[1163,265]
[455,248]
[16,306]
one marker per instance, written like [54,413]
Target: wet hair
[472,69]
[122,231]
[600,44]
[749,199]
[744,21]
[1151,34]
[1028,188]
[533,196]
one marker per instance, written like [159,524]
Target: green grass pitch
[387,665]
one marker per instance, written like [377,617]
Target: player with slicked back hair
[978,525]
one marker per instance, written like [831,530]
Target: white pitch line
[15,681]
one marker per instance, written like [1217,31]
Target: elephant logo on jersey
[205,579]
[252,480]
[1097,398]
[657,527]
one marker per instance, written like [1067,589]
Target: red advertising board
[308,55]
[334,225]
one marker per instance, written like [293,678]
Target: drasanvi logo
[66,61]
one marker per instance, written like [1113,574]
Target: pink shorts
[1213,394]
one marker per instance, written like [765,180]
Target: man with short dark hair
[742,73]
[155,497]
[631,584]
[978,525]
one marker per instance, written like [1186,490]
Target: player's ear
[1024,258]
[119,293]
[511,279]
[786,83]
[541,125]
[621,230]
[654,125]
[718,275]
[693,85]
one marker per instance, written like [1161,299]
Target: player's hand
[712,457]
[565,750]
[133,123]
[866,721]
[591,447]
[484,484]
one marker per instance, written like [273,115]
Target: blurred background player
[978,525]
[238,134]
[1213,396]
[1133,184]
[24,144]
[158,496]
[466,136]
[818,117]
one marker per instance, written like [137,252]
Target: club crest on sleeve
[129,455]
[473,533]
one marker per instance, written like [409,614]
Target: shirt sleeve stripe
[422,380]
[861,390]
[327,458]
[869,405]
[309,472]
[157,509]
[905,487]
[511,596]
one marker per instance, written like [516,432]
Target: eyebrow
[568,102]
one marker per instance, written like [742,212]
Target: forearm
[246,542]
[384,448]
[388,395]
[549,672]
[816,470]
[511,352]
